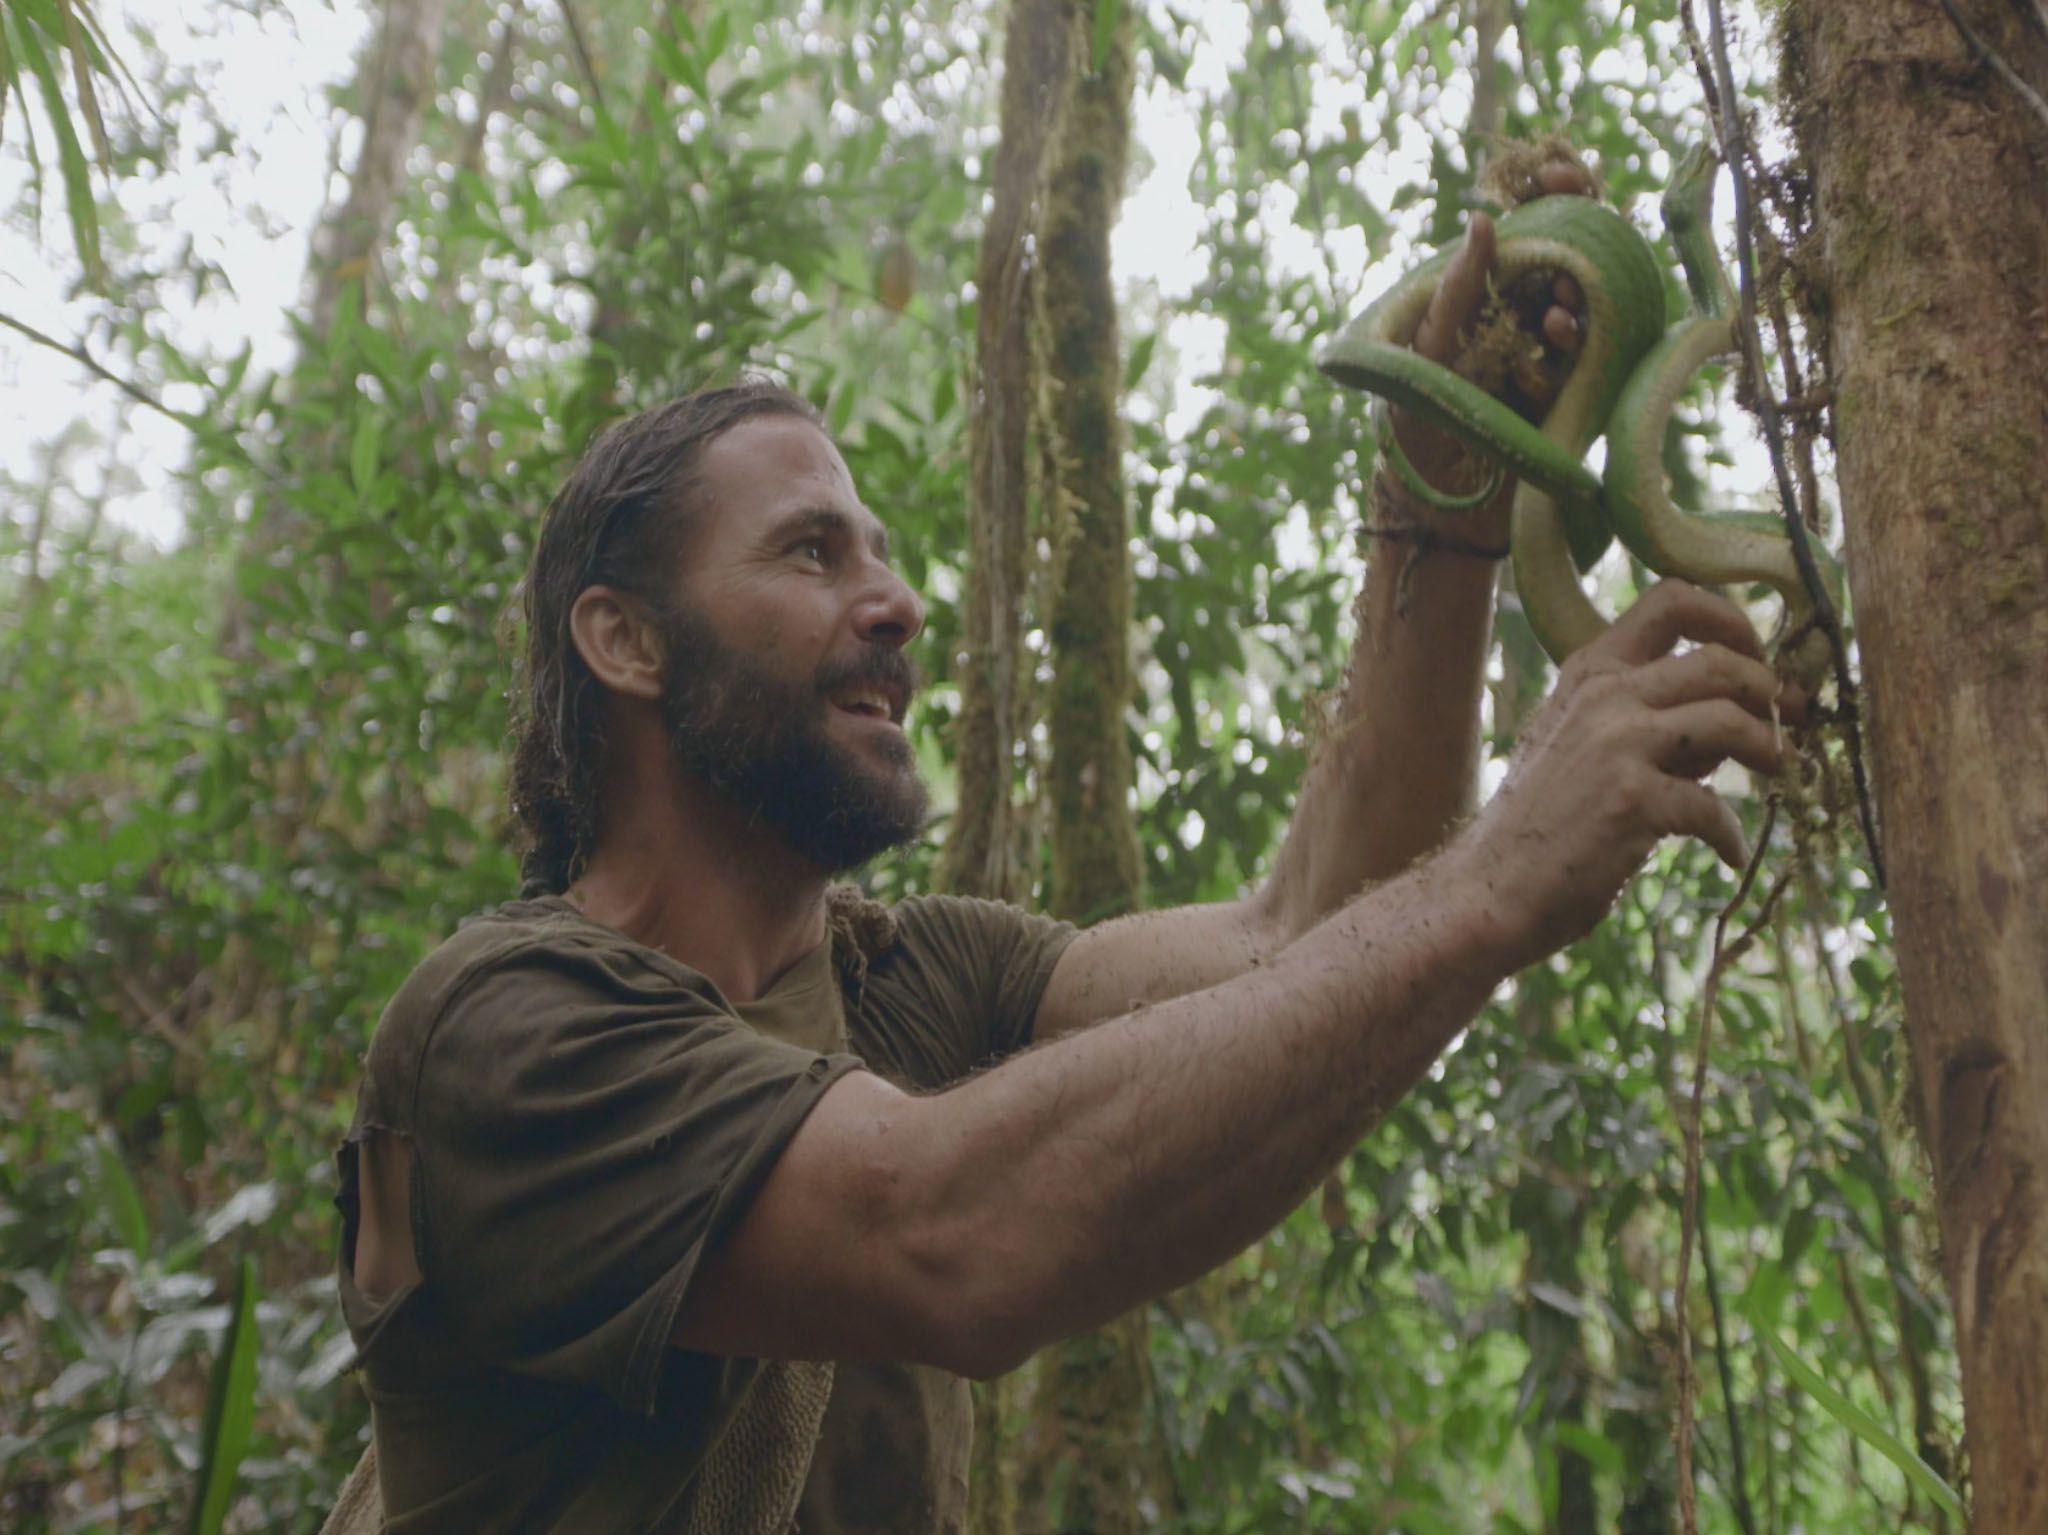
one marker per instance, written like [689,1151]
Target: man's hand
[1438,456]
[1395,773]
[1613,761]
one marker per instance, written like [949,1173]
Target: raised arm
[968,1228]
[1398,771]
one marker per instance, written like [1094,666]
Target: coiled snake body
[1628,376]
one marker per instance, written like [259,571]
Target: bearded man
[683,1194]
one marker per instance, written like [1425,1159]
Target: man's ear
[615,635]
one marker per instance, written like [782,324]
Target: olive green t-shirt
[586,1118]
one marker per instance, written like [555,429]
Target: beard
[762,741]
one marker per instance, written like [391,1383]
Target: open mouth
[870,703]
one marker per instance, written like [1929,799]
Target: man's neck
[690,874]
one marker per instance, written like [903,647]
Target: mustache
[880,666]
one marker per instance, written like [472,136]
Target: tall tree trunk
[987,850]
[1096,869]
[1092,1391]
[984,852]
[395,86]
[1933,211]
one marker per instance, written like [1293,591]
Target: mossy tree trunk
[1089,1444]
[989,847]
[1931,179]
[1096,870]
[986,850]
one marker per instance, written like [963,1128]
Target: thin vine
[1719,78]
[1724,955]
[1995,62]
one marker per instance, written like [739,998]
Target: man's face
[786,683]
[765,740]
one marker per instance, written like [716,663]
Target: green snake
[1628,376]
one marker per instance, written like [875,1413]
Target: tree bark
[1091,1423]
[988,848]
[984,852]
[1933,212]
[396,85]
[1097,869]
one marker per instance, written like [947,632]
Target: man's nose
[890,613]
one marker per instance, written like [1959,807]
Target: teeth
[876,701]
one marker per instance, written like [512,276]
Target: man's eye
[811,549]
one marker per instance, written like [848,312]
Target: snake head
[1688,209]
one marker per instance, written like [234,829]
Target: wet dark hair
[617,521]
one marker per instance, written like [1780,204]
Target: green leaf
[840,411]
[191,1132]
[677,58]
[1861,1424]
[1603,1452]
[1800,1228]
[1107,13]
[124,1200]
[1141,358]
[362,454]
[82,62]
[1766,1293]
[230,1409]
[10,79]
[78,198]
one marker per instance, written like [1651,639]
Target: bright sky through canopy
[250,214]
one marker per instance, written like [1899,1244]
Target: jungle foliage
[253,777]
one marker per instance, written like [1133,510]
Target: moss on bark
[1090,1429]
[989,849]
[1096,865]
[985,852]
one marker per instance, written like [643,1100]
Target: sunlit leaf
[79,203]
[230,1409]
[1861,1424]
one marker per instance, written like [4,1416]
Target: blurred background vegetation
[252,761]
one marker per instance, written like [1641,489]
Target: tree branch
[584,61]
[92,365]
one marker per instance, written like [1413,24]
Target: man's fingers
[1689,809]
[1561,329]
[1564,325]
[1675,610]
[1714,671]
[1694,739]
[1459,294]
[1565,178]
